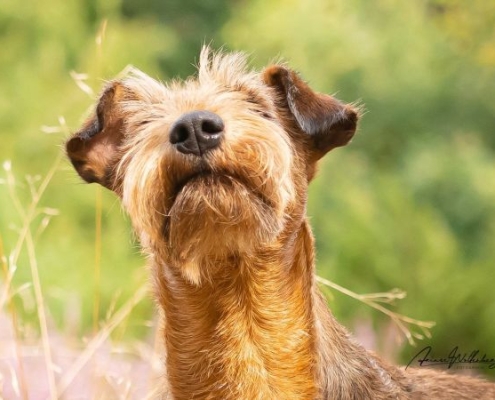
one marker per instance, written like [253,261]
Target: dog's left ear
[328,122]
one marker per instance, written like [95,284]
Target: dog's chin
[217,216]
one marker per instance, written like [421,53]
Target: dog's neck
[247,332]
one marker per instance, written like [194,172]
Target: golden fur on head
[232,254]
[234,197]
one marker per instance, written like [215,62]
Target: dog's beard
[217,216]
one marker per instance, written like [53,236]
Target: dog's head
[213,166]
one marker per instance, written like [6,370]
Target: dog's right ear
[94,149]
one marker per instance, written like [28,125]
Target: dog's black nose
[197,132]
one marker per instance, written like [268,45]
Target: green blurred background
[409,204]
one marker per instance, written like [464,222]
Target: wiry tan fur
[231,250]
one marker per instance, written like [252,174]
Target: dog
[214,173]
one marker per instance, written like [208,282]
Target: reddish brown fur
[231,251]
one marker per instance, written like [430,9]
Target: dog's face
[210,167]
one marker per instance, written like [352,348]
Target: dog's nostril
[212,126]
[179,134]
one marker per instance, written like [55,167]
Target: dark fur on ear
[94,148]
[329,122]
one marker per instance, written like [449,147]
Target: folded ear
[328,122]
[93,150]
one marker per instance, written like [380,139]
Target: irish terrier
[214,174]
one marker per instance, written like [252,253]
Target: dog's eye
[266,115]
[260,107]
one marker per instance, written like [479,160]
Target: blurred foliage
[192,23]
[409,204]
[405,62]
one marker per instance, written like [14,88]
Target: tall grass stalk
[97,261]
[374,299]
[25,238]
[18,376]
